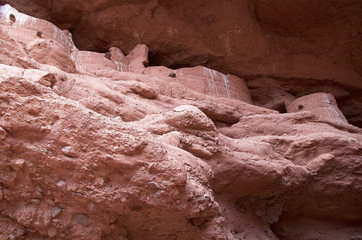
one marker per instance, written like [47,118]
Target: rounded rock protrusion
[190,117]
[322,104]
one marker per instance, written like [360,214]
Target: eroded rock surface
[295,47]
[102,146]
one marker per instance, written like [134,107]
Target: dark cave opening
[169,61]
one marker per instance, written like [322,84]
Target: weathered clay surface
[102,146]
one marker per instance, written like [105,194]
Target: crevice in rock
[275,229]
[157,58]
[272,91]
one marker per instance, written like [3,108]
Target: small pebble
[52,232]
[50,202]
[69,152]
[100,181]
[20,232]
[35,201]
[173,75]
[56,211]
[153,185]
[19,162]
[91,206]
[39,33]
[6,192]
[108,55]
[81,219]
[61,183]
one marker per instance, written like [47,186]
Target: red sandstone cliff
[293,48]
[102,146]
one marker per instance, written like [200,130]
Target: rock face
[101,146]
[295,47]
